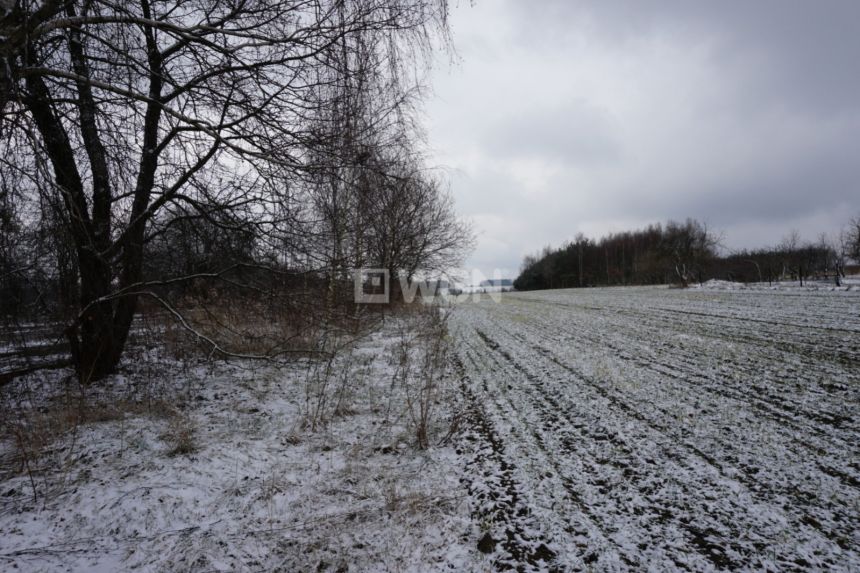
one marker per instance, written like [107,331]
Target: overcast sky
[565,116]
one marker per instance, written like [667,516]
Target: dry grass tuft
[180,435]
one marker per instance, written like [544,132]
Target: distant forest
[683,253]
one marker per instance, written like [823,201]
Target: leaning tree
[125,116]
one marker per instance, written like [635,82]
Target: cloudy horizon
[605,117]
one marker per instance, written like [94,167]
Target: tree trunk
[98,338]
[580,266]
[95,349]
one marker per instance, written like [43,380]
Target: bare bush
[330,387]
[422,362]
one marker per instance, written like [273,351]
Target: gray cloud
[574,133]
[595,116]
[786,50]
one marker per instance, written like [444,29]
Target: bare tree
[377,204]
[417,230]
[791,250]
[831,250]
[130,115]
[689,245]
[852,239]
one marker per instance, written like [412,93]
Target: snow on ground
[620,429]
[665,429]
[849,283]
[259,490]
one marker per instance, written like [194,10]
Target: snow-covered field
[661,429]
[621,429]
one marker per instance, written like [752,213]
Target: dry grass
[41,433]
[36,430]
[258,325]
[180,435]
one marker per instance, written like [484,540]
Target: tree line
[682,253]
[158,151]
